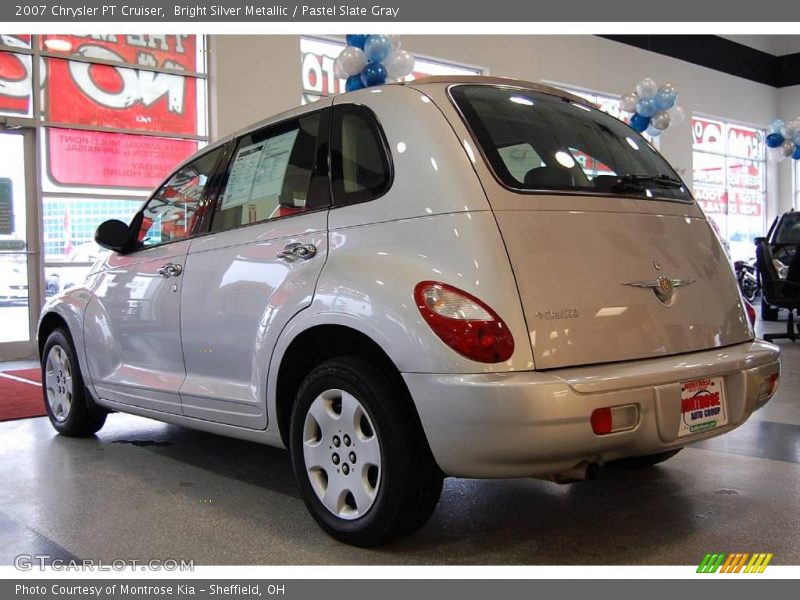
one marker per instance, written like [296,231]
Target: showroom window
[108,117]
[729,175]
[316,59]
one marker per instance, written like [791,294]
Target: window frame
[492,167]
[210,189]
[339,197]
[321,171]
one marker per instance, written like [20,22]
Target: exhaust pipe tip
[583,471]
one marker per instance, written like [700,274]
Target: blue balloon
[357,40]
[774,140]
[796,154]
[377,47]
[646,107]
[373,74]
[776,126]
[666,98]
[353,83]
[640,123]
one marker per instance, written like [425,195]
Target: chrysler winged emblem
[663,287]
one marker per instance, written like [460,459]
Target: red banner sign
[93,158]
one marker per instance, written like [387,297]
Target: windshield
[537,141]
[788,230]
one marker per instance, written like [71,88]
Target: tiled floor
[143,489]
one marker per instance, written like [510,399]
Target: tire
[648,460]
[397,483]
[768,313]
[71,410]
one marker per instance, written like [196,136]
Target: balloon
[628,102]
[788,130]
[352,60]
[653,131]
[646,88]
[666,96]
[395,39]
[399,64]
[356,40]
[796,154]
[677,115]
[660,120]
[373,74]
[338,69]
[353,83]
[776,126]
[793,128]
[787,148]
[774,140]
[639,123]
[377,47]
[646,107]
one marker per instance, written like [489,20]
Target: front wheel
[70,409]
[360,459]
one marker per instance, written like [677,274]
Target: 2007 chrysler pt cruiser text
[471,277]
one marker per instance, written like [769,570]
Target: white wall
[256,76]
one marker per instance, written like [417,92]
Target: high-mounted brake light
[463,322]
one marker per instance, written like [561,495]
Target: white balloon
[660,120]
[395,39]
[646,88]
[677,115]
[628,102]
[353,60]
[787,148]
[791,130]
[399,64]
[338,69]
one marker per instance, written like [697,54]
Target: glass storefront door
[19,256]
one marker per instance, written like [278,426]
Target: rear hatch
[613,259]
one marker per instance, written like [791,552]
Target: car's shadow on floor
[609,520]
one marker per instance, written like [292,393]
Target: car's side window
[174,210]
[360,164]
[271,175]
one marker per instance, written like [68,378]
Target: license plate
[702,406]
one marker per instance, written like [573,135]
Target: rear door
[613,259]
[256,269]
[132,324]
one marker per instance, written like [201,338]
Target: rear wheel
[70,409]
[359,456]
[768,313]
[648,460]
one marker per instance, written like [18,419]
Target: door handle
[170,270]
[295,250]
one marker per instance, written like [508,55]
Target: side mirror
[759,240]
[113,235]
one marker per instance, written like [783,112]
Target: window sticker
[259,170]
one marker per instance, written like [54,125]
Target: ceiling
[777,45]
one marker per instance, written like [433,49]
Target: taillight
[751,313]
[611,419]
[464,323]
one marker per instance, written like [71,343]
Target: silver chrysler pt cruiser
[471,277]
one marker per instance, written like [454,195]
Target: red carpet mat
[21,394]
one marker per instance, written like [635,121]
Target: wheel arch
[50,322]
[318,343]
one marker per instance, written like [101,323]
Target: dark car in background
[784,238]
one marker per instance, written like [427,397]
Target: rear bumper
[537,423]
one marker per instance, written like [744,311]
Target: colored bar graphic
[734,562]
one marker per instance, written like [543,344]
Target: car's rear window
[539,142]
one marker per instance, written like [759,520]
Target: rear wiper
[632,179]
